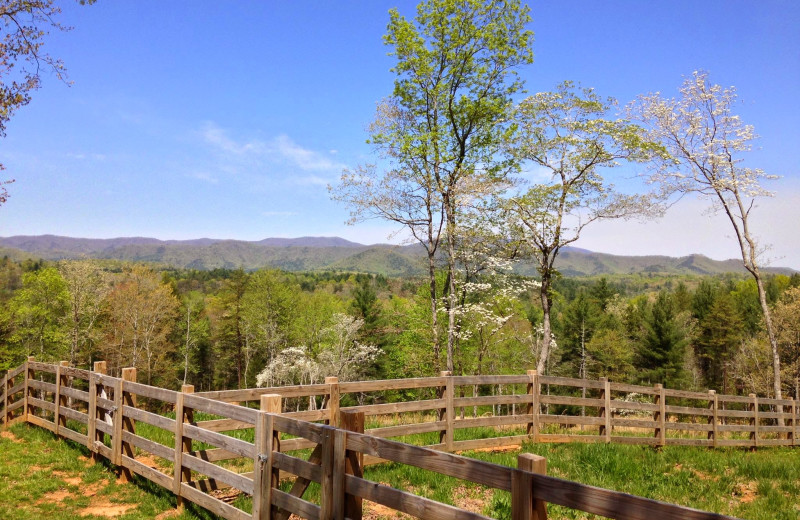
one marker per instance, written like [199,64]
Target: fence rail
[212,445]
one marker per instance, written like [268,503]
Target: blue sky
[191,119]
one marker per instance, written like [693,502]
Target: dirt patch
[172,513]
[746,492]
[55,496]
[373,511]
[10,436]
[226,495]
[104,507]
[472,499]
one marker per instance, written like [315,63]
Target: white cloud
[279,151]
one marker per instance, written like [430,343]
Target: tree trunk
[541,364]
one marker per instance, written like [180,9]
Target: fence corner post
[4,415]
[712,419]
[448,412]
[754,420]
[265,477]
[183,444]
[523,504]
[605,411]
[123,423]
[58,399]
[660,415]
[26,408]
[533,406]
[347,462]
[93,434]
[333,400]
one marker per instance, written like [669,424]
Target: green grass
[44,477]
[764,484]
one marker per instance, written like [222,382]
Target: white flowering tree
[341,354]
[570,136]
[706,141]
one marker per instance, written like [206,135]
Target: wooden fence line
[104,414]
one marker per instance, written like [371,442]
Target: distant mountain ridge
[330,253]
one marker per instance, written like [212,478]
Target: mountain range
[330,253]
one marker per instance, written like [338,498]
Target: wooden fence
[212,445]
[540,409]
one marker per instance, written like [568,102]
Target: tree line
[234,329]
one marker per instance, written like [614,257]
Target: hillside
[330,253]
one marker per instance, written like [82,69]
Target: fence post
[4,417]
[347,462]
[26,409]
[533,407]
[333,400]
[447,413]
[605,410]
[60,400]
[523,505]
[124,424]
[790,433]
[265,477]
[182,443]
[754,420]
[712,419]
[660,415]
[92,435]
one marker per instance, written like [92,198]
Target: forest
[226,329]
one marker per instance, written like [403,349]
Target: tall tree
[25,25]
[38,309]
[662,352]
[570,135]
[440,131]
[87,293]
[706,141]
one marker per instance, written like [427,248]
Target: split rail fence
[206,444]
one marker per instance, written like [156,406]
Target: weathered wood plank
[217,507]
[44,405]
[104,427]
[309,415]
[492,400]
[491,380]
[19,387]
[297,444]
[571,382]
[150,418]
[559,438]
[630,405]
[295,505]
[685,394]
[392,384]
[296,466]
[75,415]
[254,394]
[623,387]
[310,431]
[42,385]
[423,508]
[672,441]
[147,472]
[571,419]
[230,411]
[42,367]
[408,429]
[572,401]
[635,423]
[151,447]
[500,420]
[480,472]
[612,504]
[72,435]
[647,441]
[38,421]
[214,455]
[688,410]
[495,442]
[243,448]
[78,373]
[17,371]
[152,392]
[74,393]
[691,427]
[224,425]
[387,408]
[221,474]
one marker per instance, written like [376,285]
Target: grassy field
[41,476]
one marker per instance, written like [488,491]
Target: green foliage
[662,351]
